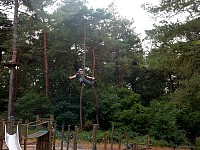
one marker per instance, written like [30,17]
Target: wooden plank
[37,134]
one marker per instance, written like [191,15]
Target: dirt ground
[88,146]
[115,147]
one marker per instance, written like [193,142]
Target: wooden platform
[37,134]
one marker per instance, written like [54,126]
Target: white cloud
[131,9]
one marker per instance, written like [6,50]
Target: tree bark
[23,73]
[81,107]
[12,65]
[46,66]
[94,89]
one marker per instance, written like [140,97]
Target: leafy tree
[30,105]
[176,53]
[149,83]
[163,123]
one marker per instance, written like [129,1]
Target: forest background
[153,92]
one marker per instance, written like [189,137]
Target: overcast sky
[131,9]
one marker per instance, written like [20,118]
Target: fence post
[2,129]
[37,122]
[112,135]
[147,142]
[120,140]
[74,141]
[20,131]
[26,134]
[50,128]
[127,138]
[54,139]
[135,146]
[105,140]
[62,136]
[94,138]
[68,136]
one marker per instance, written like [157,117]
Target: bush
[197,143]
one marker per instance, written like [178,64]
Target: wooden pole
[105,140]
[37,122]
[62,136]
[94,137]
[74,141]
[51,123]
[147,143]
[2,129]
[120,141]
[135,146]
[54,139]
[20,130]
[68,136]
[26,134]
[1,134]
[127,138]
[12,81]
[112,135]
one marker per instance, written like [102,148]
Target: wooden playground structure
[42,131]
[41,134]
[106,144]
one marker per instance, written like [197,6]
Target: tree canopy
[155,93]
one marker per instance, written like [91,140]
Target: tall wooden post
[74,141]
[12,66]
[37,122]
[54,139]
[26,134]
[1,134]
[2,126]
[68,136]
[51,123]
[127,138]
[147,143]
[112,135]
[120,141]
[20,130]
[94,137]
[105,140]
[62,136]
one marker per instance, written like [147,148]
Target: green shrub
[197,143]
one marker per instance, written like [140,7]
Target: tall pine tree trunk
[23,72]
[12,65]
[94,89]
[46,65]
[81,107]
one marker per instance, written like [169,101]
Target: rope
[84,48]
[82,86]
